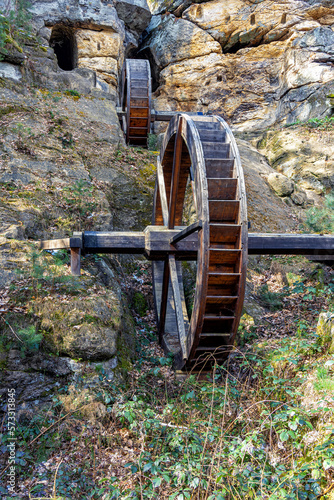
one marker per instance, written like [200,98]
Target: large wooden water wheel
[201,153]
[135,101]
[199,215]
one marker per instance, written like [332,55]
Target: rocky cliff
[258,63]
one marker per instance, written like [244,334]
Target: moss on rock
[84,327]
[325,331]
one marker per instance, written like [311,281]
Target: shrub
[321,220]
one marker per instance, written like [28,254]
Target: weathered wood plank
[157,244]
[222,168]
[224,233]
[138,102]
[54,244]
[206,135]
[139,112]
[215,150]
[222,189]
[224,211]
[60,243]
[164,297]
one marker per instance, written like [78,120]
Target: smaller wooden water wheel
[201,153]
[135,101]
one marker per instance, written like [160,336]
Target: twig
[174,426]
[54,482]
[11,329]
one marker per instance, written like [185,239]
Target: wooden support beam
[158,116]
[157,242]
[196,226]
[73,242]
[166,116]
[76,253]
[76,261]
[131,242]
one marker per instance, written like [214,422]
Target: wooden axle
[157,116]
[156,242]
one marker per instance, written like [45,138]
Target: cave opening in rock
[63,42]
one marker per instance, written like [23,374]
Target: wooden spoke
[175,176]
[164,297]
[180,309]
[162,192]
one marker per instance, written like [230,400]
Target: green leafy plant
[73,93]
[81,200]
[326,123]
[271,300]
[152,142]
[31,339]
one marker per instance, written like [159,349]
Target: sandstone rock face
[101,52]
[266,212]
[257,63]
[103,35]
[175,40]
[303,155]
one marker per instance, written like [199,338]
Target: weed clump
[321,220]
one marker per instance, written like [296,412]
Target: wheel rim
[222,241]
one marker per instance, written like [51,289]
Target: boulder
[94,13]
[89,328]
[280,184]
[8,70]
[134,13]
